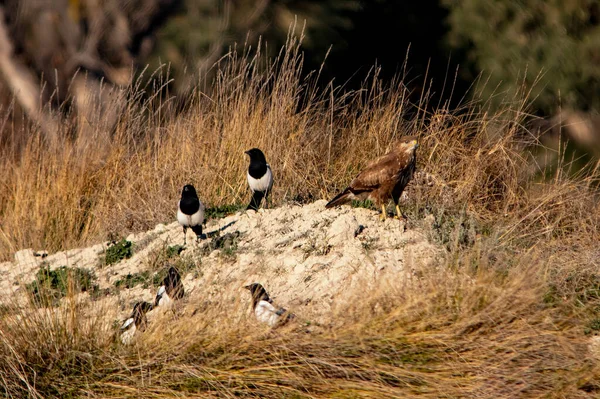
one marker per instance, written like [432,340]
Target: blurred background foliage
[553,42]
[499,50]
[204,30]
[552,46]
[344,39]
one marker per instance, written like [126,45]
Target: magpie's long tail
[339,199]
[257,197]
[198,231]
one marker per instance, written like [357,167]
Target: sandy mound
[309,258]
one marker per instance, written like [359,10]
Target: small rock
[160,228]
[25,257]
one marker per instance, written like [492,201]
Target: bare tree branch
[22,83]
[79,52]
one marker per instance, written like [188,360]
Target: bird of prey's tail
[340,199]
[257,197]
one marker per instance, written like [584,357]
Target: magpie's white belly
[266,313]
[128,334]
[165,300]
[191,220]
[263,184]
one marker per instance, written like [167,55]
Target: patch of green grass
[131,280]
[184,265]
[158,277]
[5,310]
[592,326]
[585,286]
[315,246]
[227,243]
[550,296]
[229,252]
[455,230]
[50,286]
[174,250]
[367,204]
[219,212]
[369,243]
[121,250]
[587,294]
[163,254]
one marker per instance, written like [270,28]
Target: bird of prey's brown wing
[385,177]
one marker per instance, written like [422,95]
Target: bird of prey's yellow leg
[383,212]
[399,213]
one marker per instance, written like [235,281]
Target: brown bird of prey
[384,177]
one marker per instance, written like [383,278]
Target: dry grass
[503,317]
[446,334]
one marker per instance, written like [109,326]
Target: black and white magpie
[260,178]
[190,212]
[263,307]
[136,322]
[170,290]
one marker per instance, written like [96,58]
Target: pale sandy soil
[310,259]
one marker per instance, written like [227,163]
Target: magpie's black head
[256,155]
[172,276]
[258,292]
[189,191]
[142,307]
